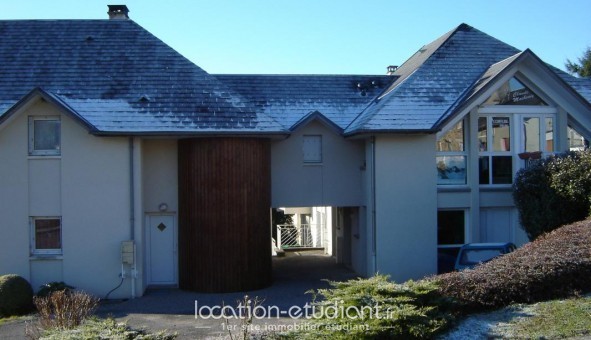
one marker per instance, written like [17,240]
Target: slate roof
[433,81]
[120,78]
[581,85]
[289,99]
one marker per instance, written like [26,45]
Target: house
[123,164]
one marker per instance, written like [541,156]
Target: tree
[583,67]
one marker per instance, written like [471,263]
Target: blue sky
[329,36]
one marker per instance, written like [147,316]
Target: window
[495,157]
[537,133]
[46,235]
[44,136]
[451,157]
[312,148]
[575,140]
[513,92]
[451,235]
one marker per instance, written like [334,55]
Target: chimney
[118,12]
[391,69]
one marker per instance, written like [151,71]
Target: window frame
[33,236]
[464,153]
[44,152]
[542,132]
[490,153]
[446,248]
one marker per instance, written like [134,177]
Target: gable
[537,84]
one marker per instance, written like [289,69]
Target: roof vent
[118,12]
[391,69]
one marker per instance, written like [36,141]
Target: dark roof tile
[104,67]
[290,98]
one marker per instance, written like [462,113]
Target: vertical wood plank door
[224,214]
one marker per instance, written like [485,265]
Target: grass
[95,328]
[10,318]
[556,319]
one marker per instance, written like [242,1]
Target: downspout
[132,212]
[373,204]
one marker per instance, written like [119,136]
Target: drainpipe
[132,212]
[373,204]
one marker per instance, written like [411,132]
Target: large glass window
[44,136]
[46,235]
[538,134]
[495,158]
[513,92]
[451,229]
[451,157]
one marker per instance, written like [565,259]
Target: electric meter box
[127,252]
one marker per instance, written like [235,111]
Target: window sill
[453,188]
[499,188]
[44,157]
[46,257]
[312,164]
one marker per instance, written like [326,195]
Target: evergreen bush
[16,295]
[553,192]
[377,308]
[555,265]
[51,287]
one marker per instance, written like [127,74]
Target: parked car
[471,254]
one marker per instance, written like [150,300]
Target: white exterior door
[162,250]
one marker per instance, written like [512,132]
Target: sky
[330,36]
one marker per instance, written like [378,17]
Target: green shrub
[556,265]
[553,192]
[377,308]
[52,287]
[16,295]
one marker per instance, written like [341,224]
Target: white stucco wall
[88,186]
[14,198]
[334,182]
[160,174]
[406,206]
[359,244]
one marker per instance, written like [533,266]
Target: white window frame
[32,150]
[33,232]
[465,128]
[490,153]
[305,155]
[542,132]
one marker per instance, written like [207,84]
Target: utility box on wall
[127,252]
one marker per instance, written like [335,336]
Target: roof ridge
[296,75]
[448,35]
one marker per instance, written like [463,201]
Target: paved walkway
[174,310]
